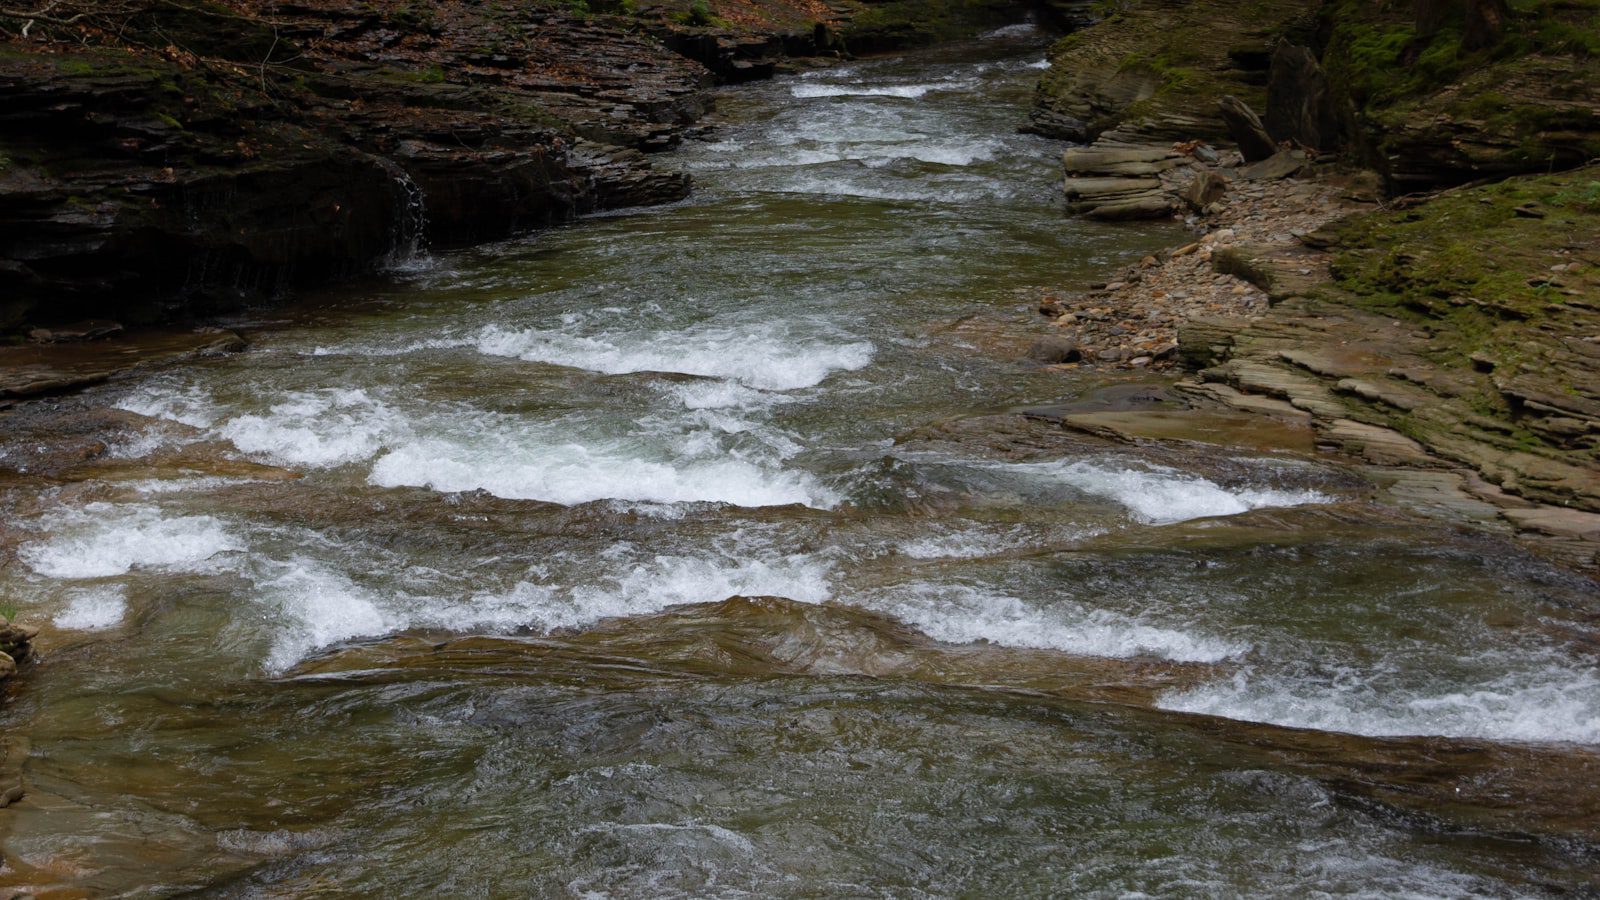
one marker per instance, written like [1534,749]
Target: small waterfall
[408,240]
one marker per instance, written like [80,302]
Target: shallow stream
[427,593]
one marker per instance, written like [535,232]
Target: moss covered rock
[1157,68]
[1429,110]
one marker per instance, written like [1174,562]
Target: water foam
[570,474]
[323,606]
[163,398]
[1160,496]
[806,91]
[321,428]
[102,539]
[961,614]
[664,581]
[94,609]
[319,607]
[766,356]
[722,395]
[1019,30]
[1555,703]
[875,155]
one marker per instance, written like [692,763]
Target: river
[428,592]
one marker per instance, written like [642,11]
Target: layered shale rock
[1108,181]
[309,142]
[1384,85]
[1153,70]
[1462,333]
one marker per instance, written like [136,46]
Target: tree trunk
[1486,24]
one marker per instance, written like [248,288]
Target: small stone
[1139,362]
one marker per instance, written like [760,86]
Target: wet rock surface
[31,371]
[16,648]
[145,184]
[728,586]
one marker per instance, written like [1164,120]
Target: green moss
[1583,196]
[700,15]
[433,74]
[1378,56]
[1473,266]
[1167,58]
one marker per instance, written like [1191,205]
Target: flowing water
[439,589]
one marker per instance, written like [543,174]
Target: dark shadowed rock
[142,188]
[1206,189]
[1245,127]
[1299,105]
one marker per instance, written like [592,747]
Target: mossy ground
[1479,257]
[1504,275]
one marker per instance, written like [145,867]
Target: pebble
[1133,319]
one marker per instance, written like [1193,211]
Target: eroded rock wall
[143,182]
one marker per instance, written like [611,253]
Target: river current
[690,551]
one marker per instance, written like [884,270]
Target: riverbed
[697,551]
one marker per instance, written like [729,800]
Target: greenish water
[427,593]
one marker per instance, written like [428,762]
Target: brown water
[428,592]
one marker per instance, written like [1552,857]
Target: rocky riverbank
[1454,333]
[16,647]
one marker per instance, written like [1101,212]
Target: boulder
[1277,166]
[1119,182]
[1299,106]
[1206,189]
[1052,350]
[1246,129]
